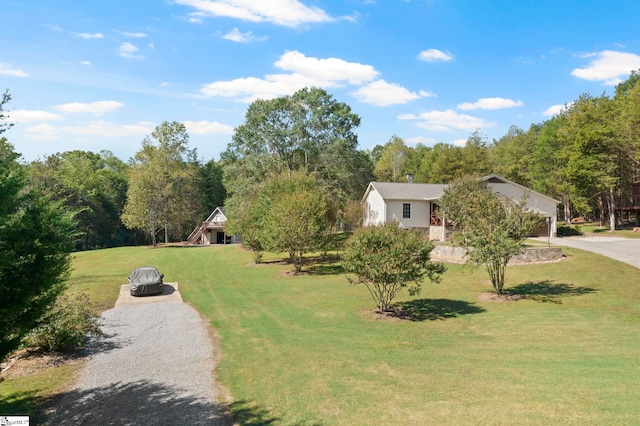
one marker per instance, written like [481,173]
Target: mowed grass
[309,350]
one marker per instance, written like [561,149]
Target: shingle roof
[213,213]
[409,191]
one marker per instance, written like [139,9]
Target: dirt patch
[393,315]
[500,298]
[291,274]
[25,363]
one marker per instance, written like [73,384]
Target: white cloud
[381,93]
[288,13]
[207,128]
[420,140]
[556,109]
[25,116]
[196,17]
[103,128]
[329,69]
[165,84]
[96,108]
[128,50]
[490,103]
[446,121]
[608,66]
[14,72]
[85,63]
[435,55]
[251,88]
[44,132]
[132,35]
[238,37]
[427,94]
[459,142]
[307,72]
[88,36]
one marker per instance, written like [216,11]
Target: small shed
[213,230]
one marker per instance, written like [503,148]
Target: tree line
[587,156]
[163,191]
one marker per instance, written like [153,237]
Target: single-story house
[415,205]
[212,230]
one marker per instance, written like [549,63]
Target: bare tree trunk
[567,210]
[612,209]
[601,206]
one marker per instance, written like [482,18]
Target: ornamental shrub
[65,326]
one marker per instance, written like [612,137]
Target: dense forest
[587,157]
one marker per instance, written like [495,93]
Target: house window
[406,210]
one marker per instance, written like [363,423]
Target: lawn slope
[309,349]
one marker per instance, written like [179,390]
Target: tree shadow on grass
[324,265]
[245,413]
[134,403]
[329,269]
[548,291]
[434,309]
[18,403]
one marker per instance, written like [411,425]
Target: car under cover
[145,280]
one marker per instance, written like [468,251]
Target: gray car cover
[145,280]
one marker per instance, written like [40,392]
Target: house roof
[432,191]
[407,191]
[499,179]
[213,214]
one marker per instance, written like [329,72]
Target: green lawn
[308,350]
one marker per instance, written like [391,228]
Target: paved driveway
[623,249]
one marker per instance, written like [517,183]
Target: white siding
[544,206]
[420,214]
[374,209]
[219,218]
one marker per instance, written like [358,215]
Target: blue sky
[101,75]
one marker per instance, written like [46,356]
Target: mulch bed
[500,298]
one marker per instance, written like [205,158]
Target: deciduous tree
[492,227]
[596,159]
[295,213]
[308,130]
[386,260]
[163,184]
[93,184]
[391,165]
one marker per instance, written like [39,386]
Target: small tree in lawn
[386,260]
[492,226]
[295,223]
[246,219]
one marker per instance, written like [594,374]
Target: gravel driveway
[153,366]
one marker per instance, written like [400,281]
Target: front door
[220,237]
